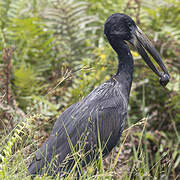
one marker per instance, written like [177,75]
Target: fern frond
[6,150]
[72,27]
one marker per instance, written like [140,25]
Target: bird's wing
[104,108]
[106,105]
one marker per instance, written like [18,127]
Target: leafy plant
[72,29]
[94,72]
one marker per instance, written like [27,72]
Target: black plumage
[105,108]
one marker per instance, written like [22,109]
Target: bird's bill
[143,44]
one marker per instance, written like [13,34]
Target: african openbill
[105,108]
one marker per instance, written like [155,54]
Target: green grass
[149,157]
[141,162]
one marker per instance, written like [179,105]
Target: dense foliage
[53,53]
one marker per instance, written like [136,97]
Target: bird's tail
[43,158]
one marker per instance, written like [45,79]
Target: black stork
[103,112]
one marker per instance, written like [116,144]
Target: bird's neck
[124,55]
[124,73]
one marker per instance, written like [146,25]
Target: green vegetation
[53,53]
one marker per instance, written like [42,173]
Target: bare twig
[138,2]
[7,56]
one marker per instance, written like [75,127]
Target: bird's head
[120,27]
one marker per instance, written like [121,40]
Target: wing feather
[105,107]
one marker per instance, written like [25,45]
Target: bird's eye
[129,24]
